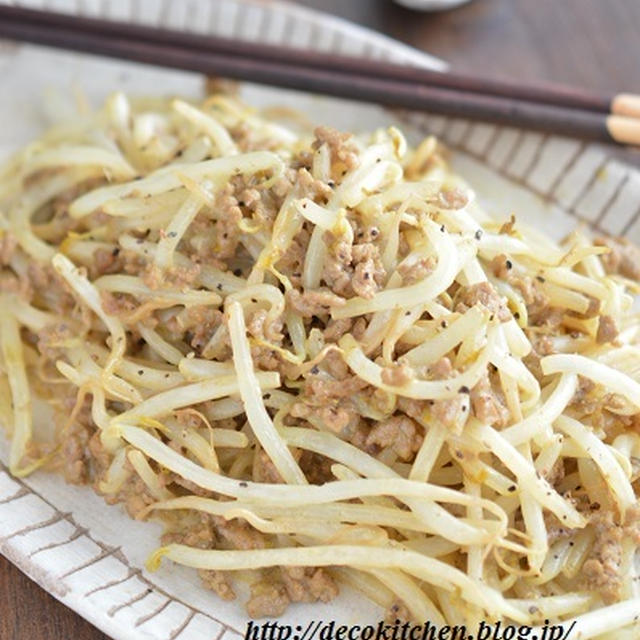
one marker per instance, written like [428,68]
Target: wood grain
[29,613]
[583,42]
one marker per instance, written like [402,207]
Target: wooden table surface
[583,42]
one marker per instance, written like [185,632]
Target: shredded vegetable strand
[251,395]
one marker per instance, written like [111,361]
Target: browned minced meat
[484,294]
[189,485]
[593,310]
[200,534]
[105,261]
[632,524]
[544,315]
[316,468]
[227,230]
[117,304]
[100,458]
[353,269]
[308,584]
[415,409]
[555,530]
[555,474]
[453,198]
[215,531]
[268,599]
[52,338]
[75,453]
[336,329]
[415,271]
[8,244]
[486,404]
[173,277]
[51,287]
[259,328]
[400,433]
[324,390]
[336,417]
[292,261]
[265,358]
[500,266]
[133,494]
[313,303]
[358,433]
[623,257]
[397,374]
[601,570]
[195,324]
[441,369]
[238,533]
[539,310]
[329,399]
[337,270]
[344,154]
[132,263]
[541,345]
[451,413]
[264,470]
[368,272]
[607,330]
[263,204]
[11,283]
[311,187]
[529,287]
[218,582]
[582,397]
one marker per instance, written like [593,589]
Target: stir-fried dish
[317,360]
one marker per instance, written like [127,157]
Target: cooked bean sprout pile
[317,360]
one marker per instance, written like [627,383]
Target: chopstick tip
[624,129]
[626,104]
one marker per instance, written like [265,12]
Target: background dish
[90,555]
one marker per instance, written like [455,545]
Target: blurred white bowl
[431,5]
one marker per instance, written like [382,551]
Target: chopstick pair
[544,108]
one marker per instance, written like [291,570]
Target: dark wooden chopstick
[570,97]
[355,79]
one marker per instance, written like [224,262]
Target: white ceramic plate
[91,556]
